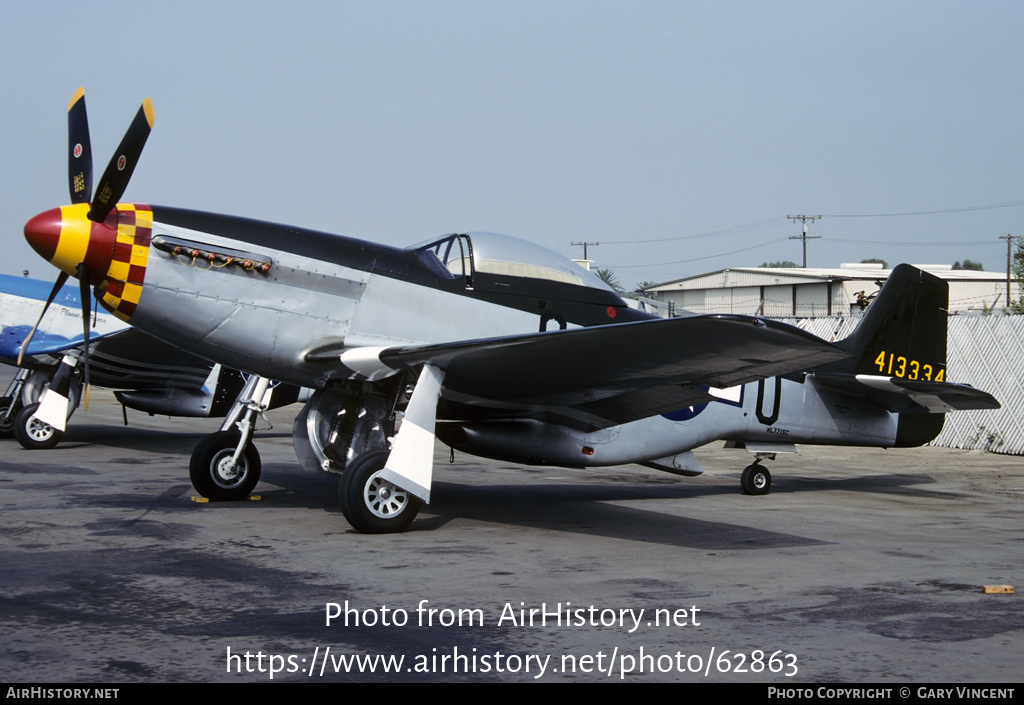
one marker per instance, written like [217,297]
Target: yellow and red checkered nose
[116,250]
[65,237]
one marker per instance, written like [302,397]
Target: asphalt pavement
[861,566]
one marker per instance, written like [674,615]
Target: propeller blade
[79,150]
[61,280]
[84,274]
[118,172]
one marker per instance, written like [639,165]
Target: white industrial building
[817,292]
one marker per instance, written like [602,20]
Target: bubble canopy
[502,255]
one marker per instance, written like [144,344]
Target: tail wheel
[756,480]
[32,433]
[213,474]
[372,504]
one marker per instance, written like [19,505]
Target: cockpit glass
[448,256]
[501,255]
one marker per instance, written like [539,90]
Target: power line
[913,244]
[775,222]
[1008,204]
[770,223]
[698,259]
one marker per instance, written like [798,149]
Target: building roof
[774,276]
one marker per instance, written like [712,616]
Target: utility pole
[585,247]
[1009,259]
[586,260]
[804,237]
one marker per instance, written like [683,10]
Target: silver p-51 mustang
[496,346]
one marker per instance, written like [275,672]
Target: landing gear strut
[339,424]
[31,432]
[9,408]
[225,465]
[347,429]
[11,403]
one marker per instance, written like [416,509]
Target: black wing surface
[131,359]
[609,375]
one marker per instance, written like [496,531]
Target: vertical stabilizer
[903,332]
[903,335]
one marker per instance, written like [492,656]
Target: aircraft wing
[124,359]
[608,375]
[907,396]
[42,345]
[131,359]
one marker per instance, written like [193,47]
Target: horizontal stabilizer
[906,396]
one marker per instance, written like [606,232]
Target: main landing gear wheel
[371,504]
[7,422]
[32,433]
[213,474]
[756,480]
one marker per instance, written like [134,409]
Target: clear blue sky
[558,122]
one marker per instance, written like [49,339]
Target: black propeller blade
[79,150]
[111,186]
[115,178]
[61,279]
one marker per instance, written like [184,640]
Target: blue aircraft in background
[151,376]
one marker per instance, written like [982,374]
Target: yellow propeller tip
[147,106]
[79,94]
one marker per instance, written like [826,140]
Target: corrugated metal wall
[986,352]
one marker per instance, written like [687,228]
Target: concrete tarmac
[861,566]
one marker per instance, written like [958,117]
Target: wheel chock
[206,500]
